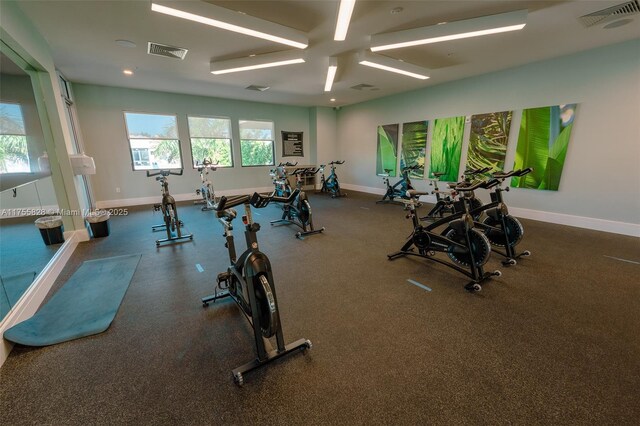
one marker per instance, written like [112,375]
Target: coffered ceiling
[82,36]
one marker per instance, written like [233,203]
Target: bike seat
[388,171]
[438,174]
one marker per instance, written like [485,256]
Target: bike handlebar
[465,187]
[337,162]
[228,202]
[164,173]
[260,200]
[518,173]
[412,193]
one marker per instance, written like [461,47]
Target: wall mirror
[26,187]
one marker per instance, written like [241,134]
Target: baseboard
[31,300]
[28,211]
[141,201]
[623,228]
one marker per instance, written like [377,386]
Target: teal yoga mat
[85,305]
[11,289]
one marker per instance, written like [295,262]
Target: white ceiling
[82,37]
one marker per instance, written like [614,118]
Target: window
[153,139]
[256,143]
[211,139]
[14,156]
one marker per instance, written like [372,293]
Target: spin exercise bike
[280,179]
[298,210]
[249,282]
[172,224]
[444,200]
[399,190]
[502,229]
[465,246]
[206,186]
[331,184]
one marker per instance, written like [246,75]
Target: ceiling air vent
[257,88]
[166,51]
[364,87]
[611,13]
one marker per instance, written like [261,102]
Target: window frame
[230,140]
[273,141]
[126,127]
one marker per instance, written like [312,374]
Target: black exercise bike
[330,184]
[463,244]
[206,186]
[400,188]
[249,282]
[298,210]
[444,199]
[172,224]
[502,229]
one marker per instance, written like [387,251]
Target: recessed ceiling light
[125,43]
[396,10]
[219,17]
[332,99]
[475,27]
[127,72]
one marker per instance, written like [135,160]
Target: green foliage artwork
[542,145]
[446,147]
[414,147]
[488,140]
[387,149]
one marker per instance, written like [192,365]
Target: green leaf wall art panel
[387,157]
[543,142]
[446,147]
[414,147]
[488,140]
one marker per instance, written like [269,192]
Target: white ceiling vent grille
[166,51]
[257,88]
[611,13]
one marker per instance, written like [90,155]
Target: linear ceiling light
[475,27]
[392,65]
[226,19]
[267,60]
[344,17]
[331,73]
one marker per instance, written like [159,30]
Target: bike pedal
[157,207]
[223,277]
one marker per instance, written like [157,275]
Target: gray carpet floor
[554,340]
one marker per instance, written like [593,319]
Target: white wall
[601,176]
[100,113]
[327,135]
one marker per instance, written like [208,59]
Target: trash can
[99,222]
[51,229]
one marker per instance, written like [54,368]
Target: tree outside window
[14,155]
[153,140]
[211,140]
[256,143]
